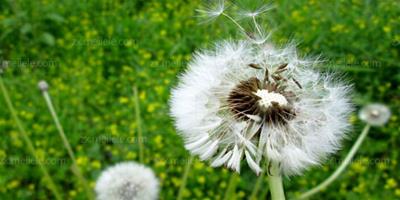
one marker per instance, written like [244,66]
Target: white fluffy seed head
[307,126]
[127,181]
[43,85]
[375,114]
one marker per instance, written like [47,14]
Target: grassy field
[93,53]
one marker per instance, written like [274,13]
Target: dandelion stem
[342,166]
[257,26]
[275,182]
[67,145]
[235,22]
[257,186]
[230,190]
[28,141]
[138,123]
[184,177]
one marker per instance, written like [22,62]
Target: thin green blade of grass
[258,183]
[138,123]
[230,190]
[185,177]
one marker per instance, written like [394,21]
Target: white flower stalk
[253,103]
[127,181]
[375,114]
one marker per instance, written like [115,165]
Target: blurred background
[93,53]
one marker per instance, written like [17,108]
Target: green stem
[67,145]
[257,186]
[139,124]
[28,141]
[275,182]
[342,166]
[235,22]
[230,190]
[264,193]
[185,177]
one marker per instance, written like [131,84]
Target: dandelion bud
[375,114]
[127,181]
[43,86]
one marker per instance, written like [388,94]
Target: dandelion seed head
[43,85]
[243,102]
[375,114]
[127,181]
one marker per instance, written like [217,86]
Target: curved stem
[235,22]
[342,166]
[257,186]
[139,124]
[28,141]
[184,178]
[257,26]
[67,145]
[275,182]
[230,190]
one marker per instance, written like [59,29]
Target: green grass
[93,53]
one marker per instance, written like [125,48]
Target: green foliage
[92,53]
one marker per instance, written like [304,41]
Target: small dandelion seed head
[43,85]
[127,181]
[375,114]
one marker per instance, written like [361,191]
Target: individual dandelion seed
[253,102]
[375,114]
[256,12]
[212,11]
[259,36]
[127,181]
